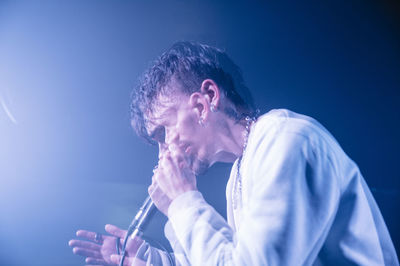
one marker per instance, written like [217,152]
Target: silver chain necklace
[237,186]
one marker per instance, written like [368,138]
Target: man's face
[174,122]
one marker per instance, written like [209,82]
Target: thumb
[115,259]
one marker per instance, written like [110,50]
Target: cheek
[189,127]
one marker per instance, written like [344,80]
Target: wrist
[183,190]
[183,202]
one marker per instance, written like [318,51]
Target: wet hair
[188,64]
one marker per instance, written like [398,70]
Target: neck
[230,140]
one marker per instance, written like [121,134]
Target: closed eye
[158,134]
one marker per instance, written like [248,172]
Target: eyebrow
[156,126]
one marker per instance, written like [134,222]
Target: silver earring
[201,121]
[213,108]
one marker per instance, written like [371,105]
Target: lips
[189,156]
[185,148]
[188,149]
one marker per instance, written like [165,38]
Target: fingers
[89,235]
[117,258]
[84,244]
[133,245]
[128,261]
[173,160]
[178,156]
[152,187]
[115,231]
[86,252]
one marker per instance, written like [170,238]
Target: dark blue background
[68,157]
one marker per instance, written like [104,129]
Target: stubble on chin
[200,167]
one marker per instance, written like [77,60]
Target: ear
[211,92]
[198,102]
[202,101]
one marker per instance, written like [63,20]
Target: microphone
[138,223]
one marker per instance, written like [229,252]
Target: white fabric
[303,202]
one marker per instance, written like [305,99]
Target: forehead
[163,111]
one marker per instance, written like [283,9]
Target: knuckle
[154,180]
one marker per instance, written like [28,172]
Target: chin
[200,167]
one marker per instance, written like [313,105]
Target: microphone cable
[138,225]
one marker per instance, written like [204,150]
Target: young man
[293,197]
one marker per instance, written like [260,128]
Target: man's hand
[172,178]
[103,251]
[128,261]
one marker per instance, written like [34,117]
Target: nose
[162,148]
[171,136]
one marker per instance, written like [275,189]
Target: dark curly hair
[189,64]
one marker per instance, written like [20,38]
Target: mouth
[185,148]
[188,149]
[189,156]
